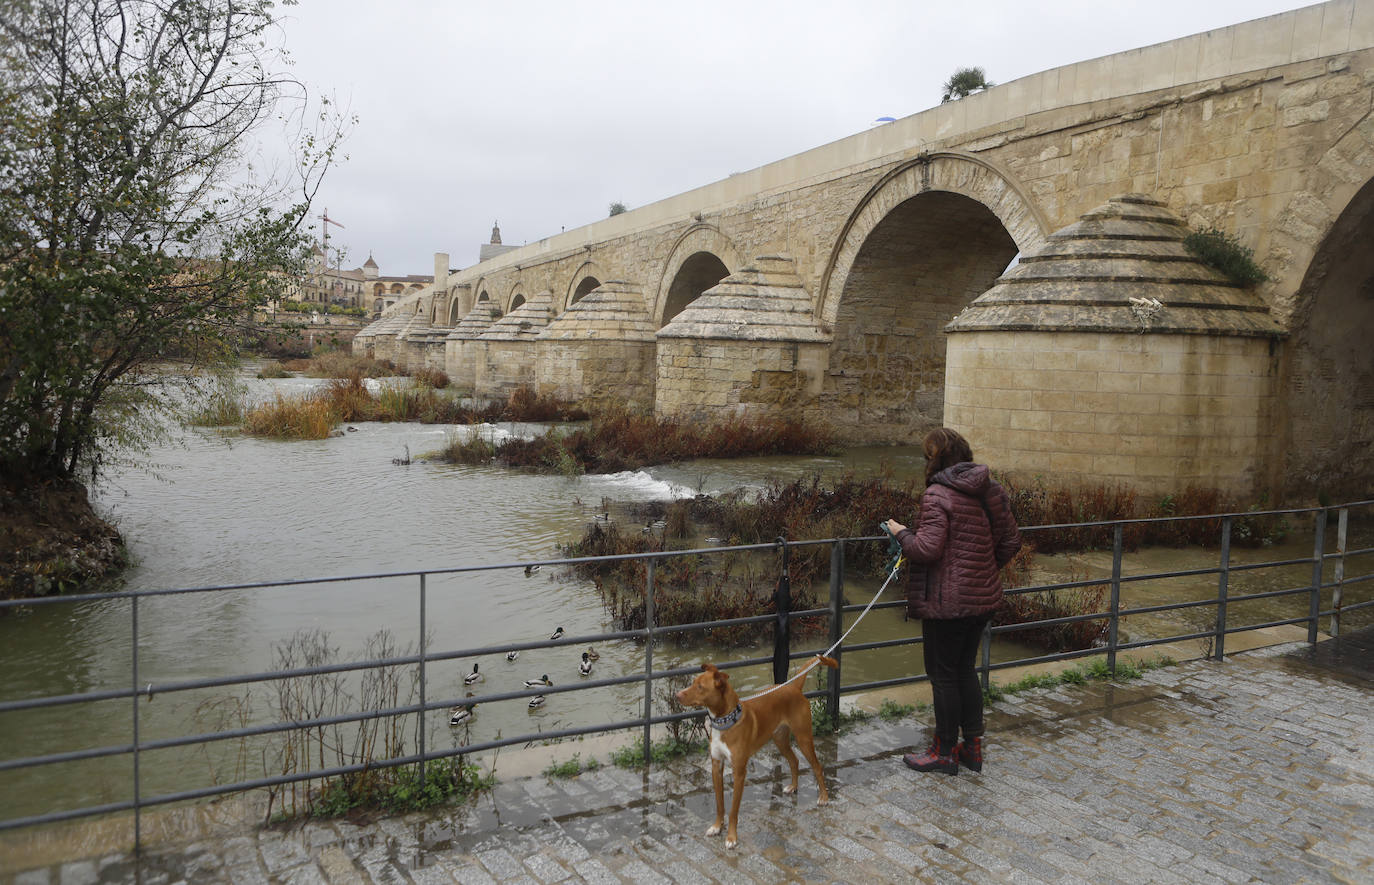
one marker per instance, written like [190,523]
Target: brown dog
[738,730]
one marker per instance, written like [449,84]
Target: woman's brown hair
[944,448]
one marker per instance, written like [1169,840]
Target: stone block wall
[708,379]
[1157,412]
[502,365]
[460,362]
[596,370]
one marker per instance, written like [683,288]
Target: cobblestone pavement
[1259,768]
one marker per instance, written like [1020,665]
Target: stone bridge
[867,283]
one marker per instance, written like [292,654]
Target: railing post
[1113,627]
[1314,606]
[832,700]
[648,662]
[1223,589]
[1338,591]
[422,681]
[138,808]
[782,633]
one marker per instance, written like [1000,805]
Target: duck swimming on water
[557,633]
[592,653]
[460,714]
[585,668]
[536,702]
[472,677]
[512,655]
[542,680]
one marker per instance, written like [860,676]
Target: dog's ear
[721,679]
[708,668]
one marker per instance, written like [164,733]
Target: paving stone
[82,872]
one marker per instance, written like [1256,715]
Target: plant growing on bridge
[964,82]
[1222,251]
[617,208]
[133,228]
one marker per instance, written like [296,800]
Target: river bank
[53,541]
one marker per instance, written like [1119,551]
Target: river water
[220,509]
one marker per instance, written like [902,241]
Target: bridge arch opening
[920,265]
[583,288]
[516,300]
[699,272]
[1331,371]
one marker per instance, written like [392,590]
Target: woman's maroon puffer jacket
[963,537]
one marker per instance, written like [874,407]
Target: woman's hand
[894,526]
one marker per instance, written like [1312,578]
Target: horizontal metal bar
[1049,622]
[1278,563]
[1261,626]
[68,756]
[1044,659]
[53,817]
[455,570]
[1270,594]
[882,643]
[883,683]
[1168,607]
[1186,573]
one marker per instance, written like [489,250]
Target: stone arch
[516,297]
[585,279]
[455,310]
[932,235]
[974,177]
[378,304]
[689,266]
[1330,366]
[397,288]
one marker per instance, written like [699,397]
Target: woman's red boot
[938,757]
[969,753]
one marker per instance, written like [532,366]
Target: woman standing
[964,534]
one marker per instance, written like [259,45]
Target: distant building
[495,247]
[363,287]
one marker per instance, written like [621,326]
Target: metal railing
[654,633]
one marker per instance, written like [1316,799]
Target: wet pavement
[1260,768]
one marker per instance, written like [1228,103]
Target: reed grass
[283,417]
[273,370]
[619,439]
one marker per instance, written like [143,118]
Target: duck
[535,683]
[536,702]
[460,714]
[593,654]
[512,655]
[472,677]
[603,517]
[585,668]
[531,569]
[557,633]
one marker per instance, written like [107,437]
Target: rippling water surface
[221,509]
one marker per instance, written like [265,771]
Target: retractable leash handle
[894,548]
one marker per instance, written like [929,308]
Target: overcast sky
[539,114]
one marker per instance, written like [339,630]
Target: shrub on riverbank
[314,415]
[619,439]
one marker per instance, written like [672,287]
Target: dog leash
[896,566]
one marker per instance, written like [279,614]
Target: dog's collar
[720,723]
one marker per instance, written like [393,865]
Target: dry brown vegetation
[618,439]
[314,415]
